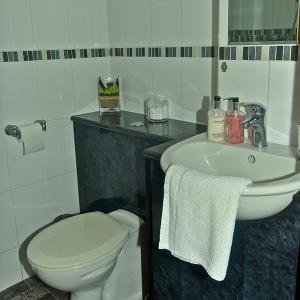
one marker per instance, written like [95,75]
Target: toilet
[94,256]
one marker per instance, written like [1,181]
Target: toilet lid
[77,240]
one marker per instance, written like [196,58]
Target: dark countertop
[120,122]
[156,152]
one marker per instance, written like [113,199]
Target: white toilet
[94,256]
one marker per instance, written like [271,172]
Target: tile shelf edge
[120,122]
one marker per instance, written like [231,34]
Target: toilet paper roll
[32,138]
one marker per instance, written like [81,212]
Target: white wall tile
[4,174]
[49,21]
[83,23]
[56,89]
[59,147]
[197,22]
[166,22]
[5,20]
[196,89]
[9,261]
[8,233]
[116,23]
[106,67]
[138,25]
[247,80]
[283,107]
[19,93]
[85,73]
[24,169]
[139,83]
[32,208]
[15,24]
[103,15]
[167,82]
[119,67]
[64,194]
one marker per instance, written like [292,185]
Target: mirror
[263,21]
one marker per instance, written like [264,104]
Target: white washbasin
[274,172]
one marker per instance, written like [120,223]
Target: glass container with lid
[157,109]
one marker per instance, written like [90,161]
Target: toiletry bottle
[216,121]
[234,131]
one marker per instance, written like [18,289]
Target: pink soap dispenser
[234,131]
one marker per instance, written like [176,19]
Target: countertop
[121,122]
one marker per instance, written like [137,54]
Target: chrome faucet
[255,124]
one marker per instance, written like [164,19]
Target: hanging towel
[198,218]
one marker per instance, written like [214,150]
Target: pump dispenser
[216,121]
[234,130]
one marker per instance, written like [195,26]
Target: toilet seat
[77,242]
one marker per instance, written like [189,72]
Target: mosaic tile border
[55,54]
[245,53]
[260,53]
[188,51]
[52,54]
[262,35]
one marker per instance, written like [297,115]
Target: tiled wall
[37,187]
[274,83]
[264,74]
[164,26]
[269,20]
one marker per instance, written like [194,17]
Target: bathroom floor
[32,289]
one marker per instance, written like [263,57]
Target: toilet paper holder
[14,131]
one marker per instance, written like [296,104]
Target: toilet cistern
[255,123]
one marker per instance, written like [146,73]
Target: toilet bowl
[91,255]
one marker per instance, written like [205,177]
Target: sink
[274,171]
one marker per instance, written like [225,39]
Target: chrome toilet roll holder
[14,131]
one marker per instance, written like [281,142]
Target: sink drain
[251,159]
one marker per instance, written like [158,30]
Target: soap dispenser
[234,130]
[216,121]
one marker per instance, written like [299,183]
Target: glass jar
[157,109]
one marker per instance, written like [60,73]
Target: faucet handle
[254,108]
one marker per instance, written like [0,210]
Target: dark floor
[32,289]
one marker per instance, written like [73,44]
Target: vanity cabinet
[263,261]
[109,157]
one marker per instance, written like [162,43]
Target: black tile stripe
[233,53]
[245,53]
[249,53]
[5,56]
[294,53]
[170,52]
[30,55]
[279,52]
[83,53]
[154,52]
[129,52]
[25,56]
[221,53]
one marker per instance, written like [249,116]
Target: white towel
[198,218]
